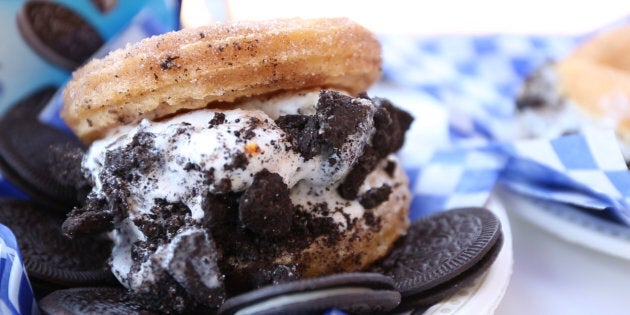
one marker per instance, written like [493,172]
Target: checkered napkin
[585,170]
[454,178]
[16,295]
[476,80]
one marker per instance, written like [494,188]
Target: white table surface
[553,276]
[427,17]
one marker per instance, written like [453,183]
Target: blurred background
[427,17]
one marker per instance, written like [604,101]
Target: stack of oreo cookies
[27,155]
[441,254]
[27,148]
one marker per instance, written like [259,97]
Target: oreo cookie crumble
[375,196]
[390,123]
[337,117]
[265,207]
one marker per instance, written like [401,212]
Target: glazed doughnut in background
[218,64]
[596,76]
[610,48]
[590,87]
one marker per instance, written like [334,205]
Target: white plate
[570,224]
[483,295]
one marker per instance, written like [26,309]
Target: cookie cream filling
[221,150]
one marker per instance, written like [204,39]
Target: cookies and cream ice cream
[160,183]
[223,150]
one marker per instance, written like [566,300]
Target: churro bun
[589,87]
[218,64]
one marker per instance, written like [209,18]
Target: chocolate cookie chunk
[337,117]
[52,260]
[356,293]
[25,148]
[266,208]
[390,123]
[91,300]
[440,251]
[57,33]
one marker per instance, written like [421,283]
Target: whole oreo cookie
[91,300]
[448,288]
[50,258]
[57,33]
[25,151]
[441,253]
[356,293]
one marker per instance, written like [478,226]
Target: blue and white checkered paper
[476,80]
[16,294]
[585,170]
[454,178]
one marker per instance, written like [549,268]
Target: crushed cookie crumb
[169,63]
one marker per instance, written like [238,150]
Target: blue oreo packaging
[39,37]
[40,51]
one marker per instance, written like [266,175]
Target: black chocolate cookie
[91,300]
[25,151]
[355,293]
[57,33]
[441,253]
[446,289]
[30,106]
[50,258]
